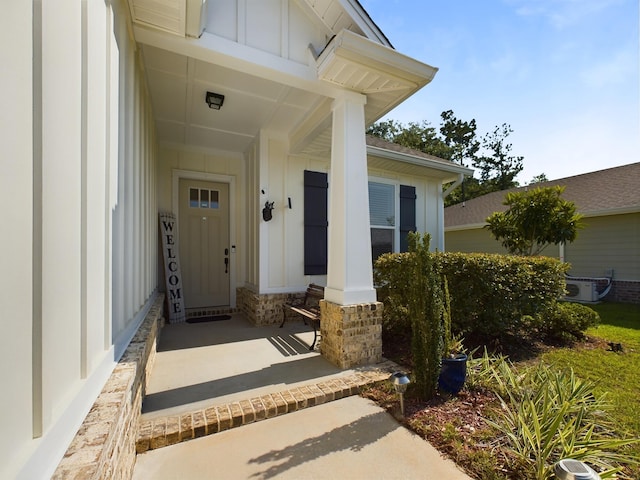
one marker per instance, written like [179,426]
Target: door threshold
[210,311]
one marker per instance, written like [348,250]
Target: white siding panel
[222,18]
[95,191]
[276,226]
[263,25]
[16,191]
[61,206]
[301,33]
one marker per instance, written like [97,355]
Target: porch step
[164,431]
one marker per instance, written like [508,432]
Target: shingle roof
[612,190]
[394,147]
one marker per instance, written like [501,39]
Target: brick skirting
[263,309]
[104,446]
[625,292]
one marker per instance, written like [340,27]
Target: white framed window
[392,215]
[383,216]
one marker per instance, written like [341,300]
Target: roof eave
[433,163]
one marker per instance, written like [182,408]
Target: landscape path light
[400,382]
[569,469]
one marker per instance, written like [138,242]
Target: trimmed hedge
[491,295]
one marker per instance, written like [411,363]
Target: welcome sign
[173,278]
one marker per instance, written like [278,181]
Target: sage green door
[204,243]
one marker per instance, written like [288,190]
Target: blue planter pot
[453,373]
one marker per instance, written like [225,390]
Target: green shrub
[548,415]
[491,295]
[568,322]
[393,279]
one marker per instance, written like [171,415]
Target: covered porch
[282,115]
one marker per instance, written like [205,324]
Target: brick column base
[351,334]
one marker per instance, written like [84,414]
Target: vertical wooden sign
[173,278]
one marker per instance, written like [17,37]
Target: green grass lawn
[615,373]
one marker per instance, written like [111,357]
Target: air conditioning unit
[581,291]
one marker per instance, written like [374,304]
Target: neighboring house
[107,123]
[608,246]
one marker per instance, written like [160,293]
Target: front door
[204,243]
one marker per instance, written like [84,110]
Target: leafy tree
[387,130]
[534,220]
[419,136]
[498,169]
[460,137]
[457,140]
[539,179]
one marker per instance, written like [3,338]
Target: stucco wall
[79,146]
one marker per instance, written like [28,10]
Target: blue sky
[563,73]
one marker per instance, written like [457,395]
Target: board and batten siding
[277,27]
[81,238]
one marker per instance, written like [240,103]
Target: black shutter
[315,223]
[407,214]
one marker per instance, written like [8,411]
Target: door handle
[226,264]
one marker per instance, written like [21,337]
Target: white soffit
[359,64]
[180,17]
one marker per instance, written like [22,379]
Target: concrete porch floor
[226,361]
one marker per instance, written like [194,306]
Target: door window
[203,198]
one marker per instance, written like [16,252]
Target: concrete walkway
[351,438]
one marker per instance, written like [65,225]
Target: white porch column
[349,270]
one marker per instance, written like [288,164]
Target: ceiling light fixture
[215,100]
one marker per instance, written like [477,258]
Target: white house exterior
[105,125]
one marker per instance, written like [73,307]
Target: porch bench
[308,308]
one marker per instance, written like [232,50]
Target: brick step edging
[164,431]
